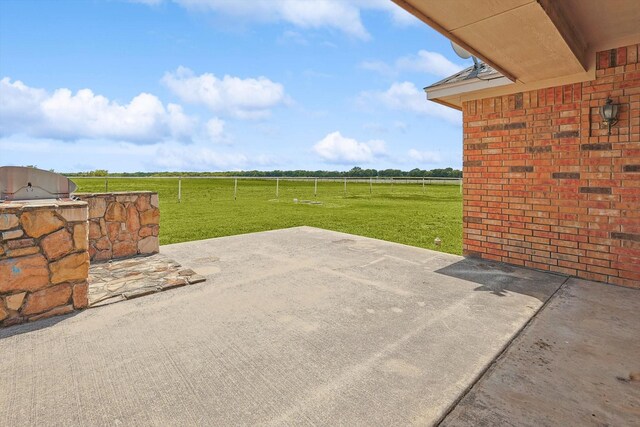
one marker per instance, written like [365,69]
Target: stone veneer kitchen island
[46,247]
[44,259]
[122,224]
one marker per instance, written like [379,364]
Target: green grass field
[398,213]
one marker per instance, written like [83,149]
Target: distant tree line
[354,172]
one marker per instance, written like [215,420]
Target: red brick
[529,217]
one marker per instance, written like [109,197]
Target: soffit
[533,40]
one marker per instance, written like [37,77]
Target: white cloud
[405,96]
[336,148]
[377,127]
[20,104]
[428,62]
[399,16]
[241,98]
[83,155]
[293,37]
[196,158]
[68,116]
[215,130]
[337,14]
[424,156]
[341,15]
[380,67]
[400,126]
[423,62]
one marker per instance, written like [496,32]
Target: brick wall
[546,187]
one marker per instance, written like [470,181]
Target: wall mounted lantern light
[609,113]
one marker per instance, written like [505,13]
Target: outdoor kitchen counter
[122,224]
[44,259]
[7,206]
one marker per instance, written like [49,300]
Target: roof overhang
[452,94]
[530,42]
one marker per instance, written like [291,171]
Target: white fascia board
[465,86]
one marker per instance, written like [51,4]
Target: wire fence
[317,183]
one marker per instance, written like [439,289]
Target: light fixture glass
[609,113]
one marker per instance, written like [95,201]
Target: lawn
[403,213]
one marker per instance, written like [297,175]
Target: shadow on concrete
[24,328]
[500,278]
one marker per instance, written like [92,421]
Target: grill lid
[23,183]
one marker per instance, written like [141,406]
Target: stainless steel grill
[24,184]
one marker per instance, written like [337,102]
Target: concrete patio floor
[296,326]
[576,364]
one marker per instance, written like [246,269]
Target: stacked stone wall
[122,225]
[44,260]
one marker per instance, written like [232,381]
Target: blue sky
[211,85]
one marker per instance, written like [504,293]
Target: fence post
[180,190]
[277,188]
[235,189]
[345,186]
[370,185]
[106,184]
[315,188]
[460,185]
[423,185]
[392,184]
